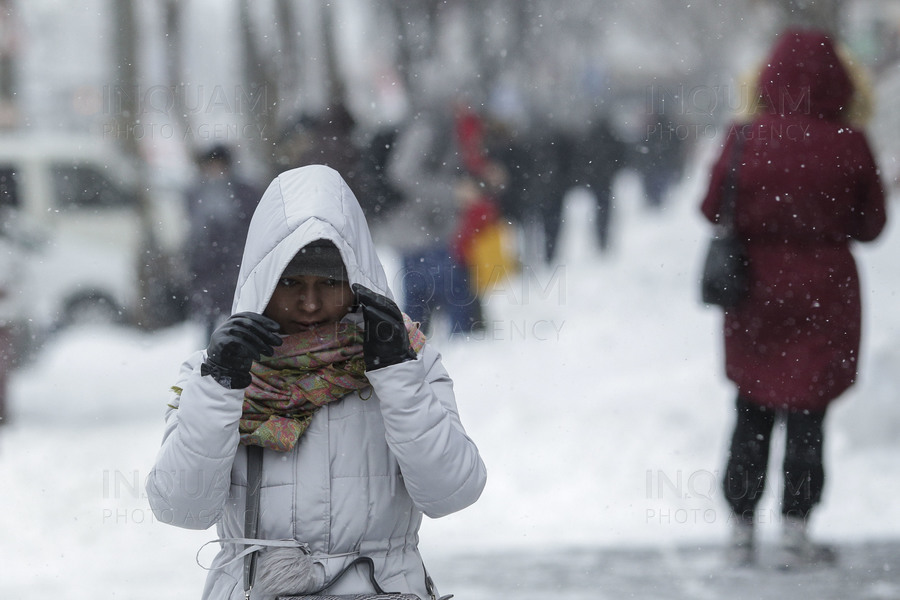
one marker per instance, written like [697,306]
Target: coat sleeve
[442,469]
[712,202]
[870,209]
[190,481]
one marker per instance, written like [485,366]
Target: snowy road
[865,572]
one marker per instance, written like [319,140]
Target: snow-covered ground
[597,399]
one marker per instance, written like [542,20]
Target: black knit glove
[233,347]
[386,342]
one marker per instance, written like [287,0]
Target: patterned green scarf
[310,369]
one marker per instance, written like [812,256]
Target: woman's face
[303,302]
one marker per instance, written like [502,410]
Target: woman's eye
[285,282]
[331,282]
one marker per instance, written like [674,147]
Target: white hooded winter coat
[369,465]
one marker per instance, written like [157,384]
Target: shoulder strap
[358,560]
[731,181]
[251,511]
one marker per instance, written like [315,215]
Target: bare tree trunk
[125,76]
[174,65]
[416,22]
[8,51]
[289,50]
[336,89]
[261,85]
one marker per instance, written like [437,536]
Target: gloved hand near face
[240,340]
[386,342]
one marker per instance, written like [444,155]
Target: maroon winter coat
[807,187]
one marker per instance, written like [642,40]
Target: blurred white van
[94,247]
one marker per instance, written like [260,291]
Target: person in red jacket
[807,188]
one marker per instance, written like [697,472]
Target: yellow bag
[492,255]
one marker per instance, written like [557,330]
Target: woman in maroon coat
[807,187]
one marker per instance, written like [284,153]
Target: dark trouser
[551,213]
[550,207]
[434,280]
[745,473]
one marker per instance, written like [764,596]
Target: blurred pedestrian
[426,167]
[598,156]
[372,182]
[507,146]
[322,393]
[807,188]
[324,138]
[333,138]
[659,158]
[219,207]
[483,239]
[548,184]
[563,160]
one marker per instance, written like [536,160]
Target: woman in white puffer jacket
[347,474]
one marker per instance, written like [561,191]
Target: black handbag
[726,277]
[251,524]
